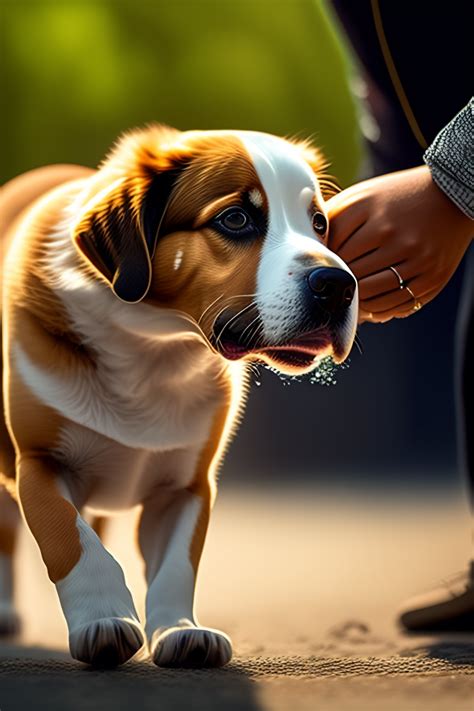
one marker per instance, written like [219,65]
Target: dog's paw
[107,642]
[190,646]
[10,624]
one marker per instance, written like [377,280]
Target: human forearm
[450,159]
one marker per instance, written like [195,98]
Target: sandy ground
[306,584]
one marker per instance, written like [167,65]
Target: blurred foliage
[76,73]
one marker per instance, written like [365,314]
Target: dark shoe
[447,608]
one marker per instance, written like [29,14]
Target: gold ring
[417,306]
[400,280]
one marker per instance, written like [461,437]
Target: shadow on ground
[455,652]
[44,679]
[39,678]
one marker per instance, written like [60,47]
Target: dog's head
[230,228]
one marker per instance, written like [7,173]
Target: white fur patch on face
[256,197]
[178,259]
[290,187]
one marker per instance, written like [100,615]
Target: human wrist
[462,224]
[457,193]
[450,159]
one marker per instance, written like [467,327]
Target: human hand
[401,220]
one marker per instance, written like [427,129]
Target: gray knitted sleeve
[451,159]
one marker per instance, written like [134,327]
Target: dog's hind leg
[98,607]
[9,524]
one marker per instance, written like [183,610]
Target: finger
[405,310]
[344,220]
[418,304]
[377,260]
[387,302]
[422,285]
[364,317]
[430,295]
[386,280]
[385,316]
[365,242]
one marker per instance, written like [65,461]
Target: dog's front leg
[171,536]
[99,610]
[172,531]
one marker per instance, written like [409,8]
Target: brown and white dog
[134,299]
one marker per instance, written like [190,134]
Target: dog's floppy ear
[119,228]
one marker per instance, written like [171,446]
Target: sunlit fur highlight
[319,164]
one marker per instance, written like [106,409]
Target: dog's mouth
[296,355]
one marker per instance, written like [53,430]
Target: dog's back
[16,197]
[21,192]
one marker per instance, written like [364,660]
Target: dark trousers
[465,374]
[424,42]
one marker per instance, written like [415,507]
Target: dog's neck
[119,332]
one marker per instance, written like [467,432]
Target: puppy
[134,299]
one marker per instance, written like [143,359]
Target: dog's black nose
[333,288]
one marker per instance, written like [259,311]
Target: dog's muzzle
[320,323]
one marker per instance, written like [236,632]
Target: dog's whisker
[228,298]
[257,334]
[221,311]
[253,367]
[209,307]
[259,341]
[233,318]
[358,344]
[252,335]
[249,326]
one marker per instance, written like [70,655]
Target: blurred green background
[76,73]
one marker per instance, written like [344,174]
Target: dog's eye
[320,223]
[235,222]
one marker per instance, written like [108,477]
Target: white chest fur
[154,380]
[128,396]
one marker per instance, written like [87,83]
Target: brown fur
[202,485]
[210,266]
[52,519]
